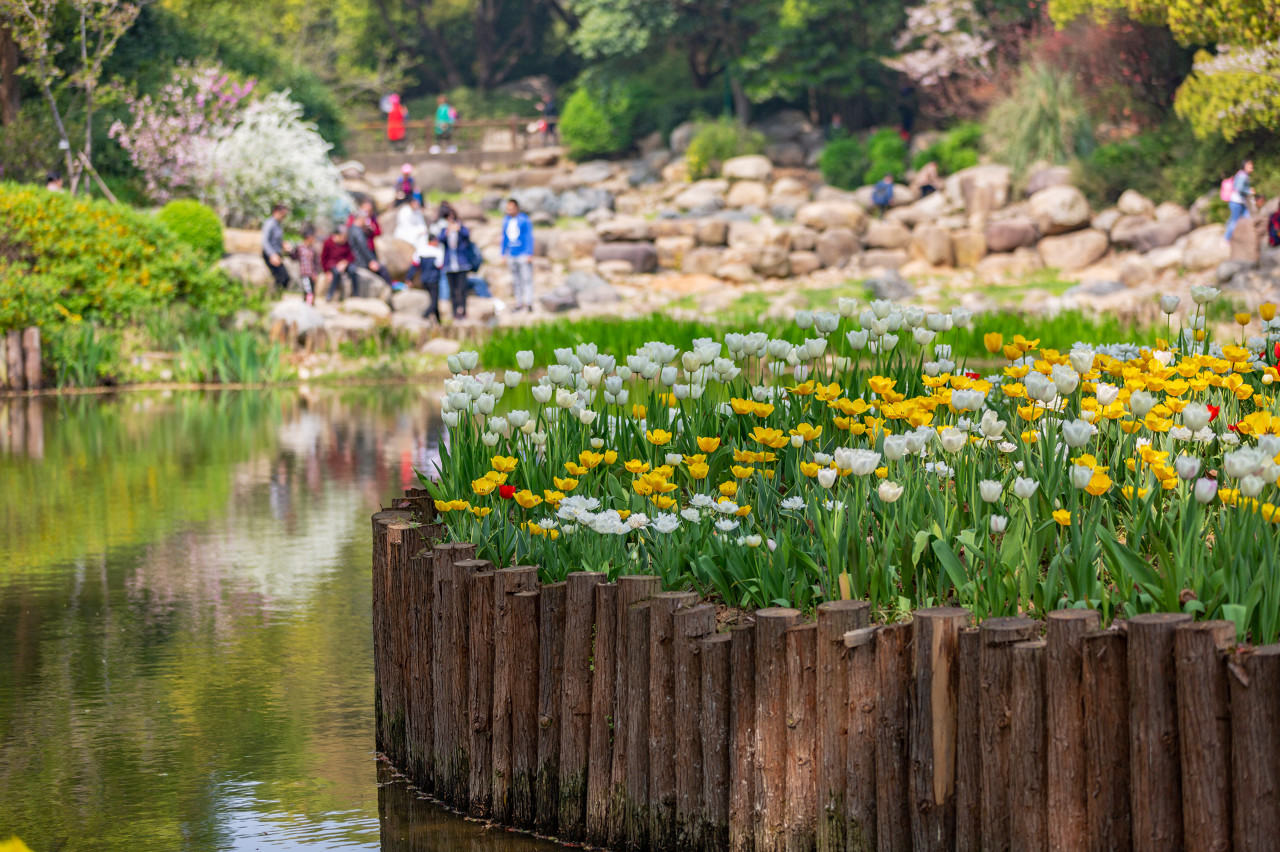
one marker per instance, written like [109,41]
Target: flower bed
[1129,477]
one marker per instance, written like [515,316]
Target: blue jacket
[459,259]
[522,245]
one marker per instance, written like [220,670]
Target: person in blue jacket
[517,248]
[459,254]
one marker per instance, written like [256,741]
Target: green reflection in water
[185,656]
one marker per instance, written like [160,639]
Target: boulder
[542,219]
[559,299]
[1165,257]
[673,228]
[248,269]
[681,136]
[969,247]
[242,241]
[1246,240]
[804,262]
[295,312]
[772,262]
[883,259]
[750,167]
[788,155]
[373,286]
[1009,234]
[1168,211]
[1205,248]
[822,215]
[1135,271]
[702,261]
[641,173]
[642,256]
[831,193]
[1072,251]
[790,193]
[1017,264]
[1134,203]
[748,193]
[396,255]
[746,235]
[1048,176]
[495,180]
[468,210]
[577,203]
[703,195]
[351,168]
[349,326]
[601,294]
[536,199]
[441,347]
[614,268]
[1096,288]
[712,232]
[676,171]
[572,244]
[932,245]
[835,246]
[890,285]
[890,235]
[672,250]
[623,228]
[802,238]
[737,272]
[410,301]
[525,178]
[1059,209]
[548,155]
[595,171]
[982,188]
[432,176]
[376,308]
[1126,227]
[1228,269]
[412,326]
[1104,220]
[1160,233]
[929,209]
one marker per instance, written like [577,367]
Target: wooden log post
[448,641]
[662,704]
[604,662]
[860,756]
[458,780]
[418,656]
[635,788]
[13,357]
[381,521]
[1106,719]
[551,652]
[995,669]
[771,726]
[1028,832]
[1204,733]
[525,669]
[835,619]
[1067,814]
[893,716]
[690,625]
[934,726]
[480,694]
[717,698]
[506,669]
[397,643]
[742,738]
[1156,780]
[968,744]
[575,702]
[1255,748]
[802,737]
[32,365]
[632,589]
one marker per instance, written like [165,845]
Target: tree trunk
[10,92]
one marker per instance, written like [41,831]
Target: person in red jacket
[336,259]
[395,122]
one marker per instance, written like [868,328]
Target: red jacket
[395,123]
[333,252]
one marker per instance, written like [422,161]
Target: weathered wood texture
[802,737]
[1204,733]
[717,696]
[1028,832]
[835,619]
[604,663]
[575,701]
[771,726]
[480,694]
[662,704]
[508,653]
[1067,792]
[634,790]
[969,744]
[1106,719]
[742,738]
[933,726]
[893,710]
[1255,748]
[524,691]
[551,649]
[860,750]
[995,667]
[450,636]
[632,589]
[1155,786]
[690,626]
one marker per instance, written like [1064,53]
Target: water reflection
[185,656]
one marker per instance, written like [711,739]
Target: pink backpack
[1228,188]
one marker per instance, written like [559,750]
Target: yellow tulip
[1062,516]
[590,460]
[636,466]
[504,464]
[993,341]
[610,456]
[810,469]
[527,499]
[742,406]
[699,470]
[657,437]
[807,432]
[729,489]
[662,501]
[743,511]
[566,484]
[742,472]
[639,412]
[483,487]
[708,445]
[1242,319]
[1267,311]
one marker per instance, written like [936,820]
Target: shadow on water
[185,644]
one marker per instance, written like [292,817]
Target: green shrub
[886,155]
[956,150]
[593,125]
[63,259]
[194,224]
[843,163]
[717,141]
[1043,118]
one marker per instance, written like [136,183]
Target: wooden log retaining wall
[616,714]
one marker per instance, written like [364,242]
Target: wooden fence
[21,366]
[617,714]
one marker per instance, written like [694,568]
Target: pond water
[185,650]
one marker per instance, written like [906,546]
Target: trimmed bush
[64,259]
[956,150]
[843,163]
[194,224]
[886,155]
[593,126]
[1044,118]
[717,141]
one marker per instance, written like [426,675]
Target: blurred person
[457,262]
[405,185]
[396,114]
[308,263]
[882,194]
[446,117]
[273,245]
[517,248]
[336,259]
[1241,197]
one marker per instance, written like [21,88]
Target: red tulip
[973,375]
[506,492]
[1213,412]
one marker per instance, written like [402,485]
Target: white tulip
[804,319]
[847,307]
[953,440]
[857,340]
[564,398]
[690,361]
[1025,488]
[922,336]
[489,439]
[1081,360]
[1140,403]
[586,417]
[1107,393]
[992,427]
[542,393]
[895,447]
[528,428]
[592,375]
[1080,475]
[668,376]
[1169,303]
[1065,379]
[999,523]
[1203,294]
[1195,416]
[454,365]
[888,342]
[1076,433]
[889,491]
[1251,486]
[511,379]
[990,490]
[559,374]
[827,477]
[1206,489]
[881,307]
[797,441]
[451,419]
[524,359]
[863,462]
[485,404]
[1188,467]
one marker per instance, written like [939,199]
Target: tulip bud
[1076,433]
[524,359]
[1206,489]
[1187,467]
[1025,488]
[889,491]
[489,439]
[990,490]
[827,477]
[1169,303]
[999,523]
[1080,475]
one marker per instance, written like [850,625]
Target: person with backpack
[1239,198]
[517,248]
[459,259]
[882,194]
